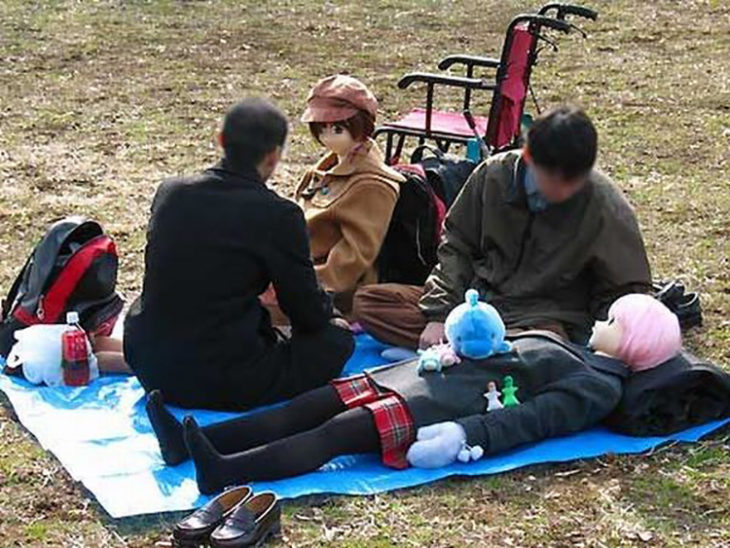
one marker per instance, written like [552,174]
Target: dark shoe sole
[271,534]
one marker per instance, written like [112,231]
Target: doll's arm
[459,245]
[363,214]
[570,405]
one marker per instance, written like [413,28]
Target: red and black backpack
[73,267]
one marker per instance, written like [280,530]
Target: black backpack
[73,267]
[678,394]
[446,173]
[408,252]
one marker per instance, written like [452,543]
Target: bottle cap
[72,317]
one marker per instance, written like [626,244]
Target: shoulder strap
[9,301]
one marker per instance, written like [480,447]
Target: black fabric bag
[678,394]
[73,267]
[446,173]
[409,249]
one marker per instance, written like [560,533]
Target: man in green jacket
[544,237]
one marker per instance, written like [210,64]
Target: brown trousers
[390,313]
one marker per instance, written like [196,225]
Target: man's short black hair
[564,141]
[252,128]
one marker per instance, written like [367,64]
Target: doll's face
[337,138]
[606,337]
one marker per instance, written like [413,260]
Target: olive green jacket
[563,265]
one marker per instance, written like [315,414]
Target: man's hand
[437,445]
[434,333]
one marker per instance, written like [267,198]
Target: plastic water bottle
[74,353]
[473,150]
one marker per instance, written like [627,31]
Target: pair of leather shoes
[233,519]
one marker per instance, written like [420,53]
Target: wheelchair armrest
[468,60]
[568,9]
[440,79]
[543,21]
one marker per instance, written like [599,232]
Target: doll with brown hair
[348,197]
[429,419]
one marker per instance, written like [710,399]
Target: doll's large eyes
[338,129]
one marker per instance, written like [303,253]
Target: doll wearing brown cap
[348,197]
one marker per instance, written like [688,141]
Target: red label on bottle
[75,358]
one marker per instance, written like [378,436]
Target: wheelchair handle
[468,60]
[569,9]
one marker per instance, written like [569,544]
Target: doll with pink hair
[640,331]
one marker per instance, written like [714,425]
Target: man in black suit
[215,242]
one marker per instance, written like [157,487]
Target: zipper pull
[40,312]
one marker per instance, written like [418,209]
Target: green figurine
[508,393]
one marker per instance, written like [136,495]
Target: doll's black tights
[301,416]
[352,431]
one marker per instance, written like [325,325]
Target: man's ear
[220,139]
[268,163]
[273,157]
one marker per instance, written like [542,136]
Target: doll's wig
[650,332]
[360,126]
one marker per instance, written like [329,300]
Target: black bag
[409,249]
[446,173]
[678,394]
[686,306]
[73,267]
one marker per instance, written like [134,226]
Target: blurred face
[337,139]
[554,187]
[606,337]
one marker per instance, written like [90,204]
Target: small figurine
[437,357]
[492,396]
[509,389]
[447,355]
[429,360]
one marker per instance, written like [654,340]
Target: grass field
[100,100]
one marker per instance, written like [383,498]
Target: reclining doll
[535,387]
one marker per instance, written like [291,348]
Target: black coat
[215,241]
[562,388]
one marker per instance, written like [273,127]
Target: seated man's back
[216,241]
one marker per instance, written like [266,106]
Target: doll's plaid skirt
[393,421]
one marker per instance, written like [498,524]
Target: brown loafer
[250,524]
[195,528]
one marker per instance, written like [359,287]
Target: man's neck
[246,171]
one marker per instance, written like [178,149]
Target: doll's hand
[437,445]
[342,323]
[433,334]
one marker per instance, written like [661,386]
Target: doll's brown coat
[348,207]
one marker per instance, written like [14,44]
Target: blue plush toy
[475,329]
